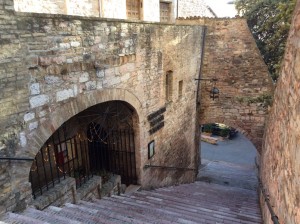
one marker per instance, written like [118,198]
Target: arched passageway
[227,157]
[96,141]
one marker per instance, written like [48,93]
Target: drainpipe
[201,63]
[197,157]
[177,9]
[100,8]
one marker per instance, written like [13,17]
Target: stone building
[143,10]
[121,77]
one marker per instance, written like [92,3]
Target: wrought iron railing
[274,217]
[82,157]
[58,158]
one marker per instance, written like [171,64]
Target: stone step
[47,217]
[202,205]
[184,209]
[123,210]
[76,215]
[13,218]
[124,218]
[179,212]
[213,191]
[132,188]
[204,197]
[194,203]
[142,209]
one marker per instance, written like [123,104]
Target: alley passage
[198,202]
[224,193]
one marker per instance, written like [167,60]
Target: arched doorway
[228,157]
[97,140]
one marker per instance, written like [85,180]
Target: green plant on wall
[265,100]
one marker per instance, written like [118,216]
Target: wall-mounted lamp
[214,92]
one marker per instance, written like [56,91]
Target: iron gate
[98,139]
[114,152]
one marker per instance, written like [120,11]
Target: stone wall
[66,192]
[188,8]
[246,89]
[54,66]
[280,166]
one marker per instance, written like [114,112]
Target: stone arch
[238,126]
[63,113]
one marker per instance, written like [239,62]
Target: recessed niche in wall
[151,149]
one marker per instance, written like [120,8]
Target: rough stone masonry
[54,66]
[243,80]
[280,167]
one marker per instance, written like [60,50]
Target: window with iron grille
[165,12]
[133,9]
[180,86]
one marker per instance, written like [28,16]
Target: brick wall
[280,159]
[54,66]
[245,86]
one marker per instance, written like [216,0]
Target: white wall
[151,10]
[187,8]
[113,9]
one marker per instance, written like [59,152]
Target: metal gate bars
[115,153]
[82,157]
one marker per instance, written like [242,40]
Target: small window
[133,9]
[180,84]
[165,11]
[169,85]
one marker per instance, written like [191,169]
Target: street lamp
[214,92]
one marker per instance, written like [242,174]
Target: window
[165,12]
[133,9]
[180,84]
[169,85]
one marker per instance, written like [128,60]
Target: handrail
[169,167]
[16,159]
[274,217]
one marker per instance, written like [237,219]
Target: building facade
[119,77]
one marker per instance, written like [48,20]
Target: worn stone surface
[280,165]
[66,192]
[246,88]
[50,71]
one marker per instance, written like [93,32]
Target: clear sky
[222,8]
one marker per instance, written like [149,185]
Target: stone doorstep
[59,191]
[209,139]
[132,188]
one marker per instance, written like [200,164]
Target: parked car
[220,130]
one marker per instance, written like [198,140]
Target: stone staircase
[199,202]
